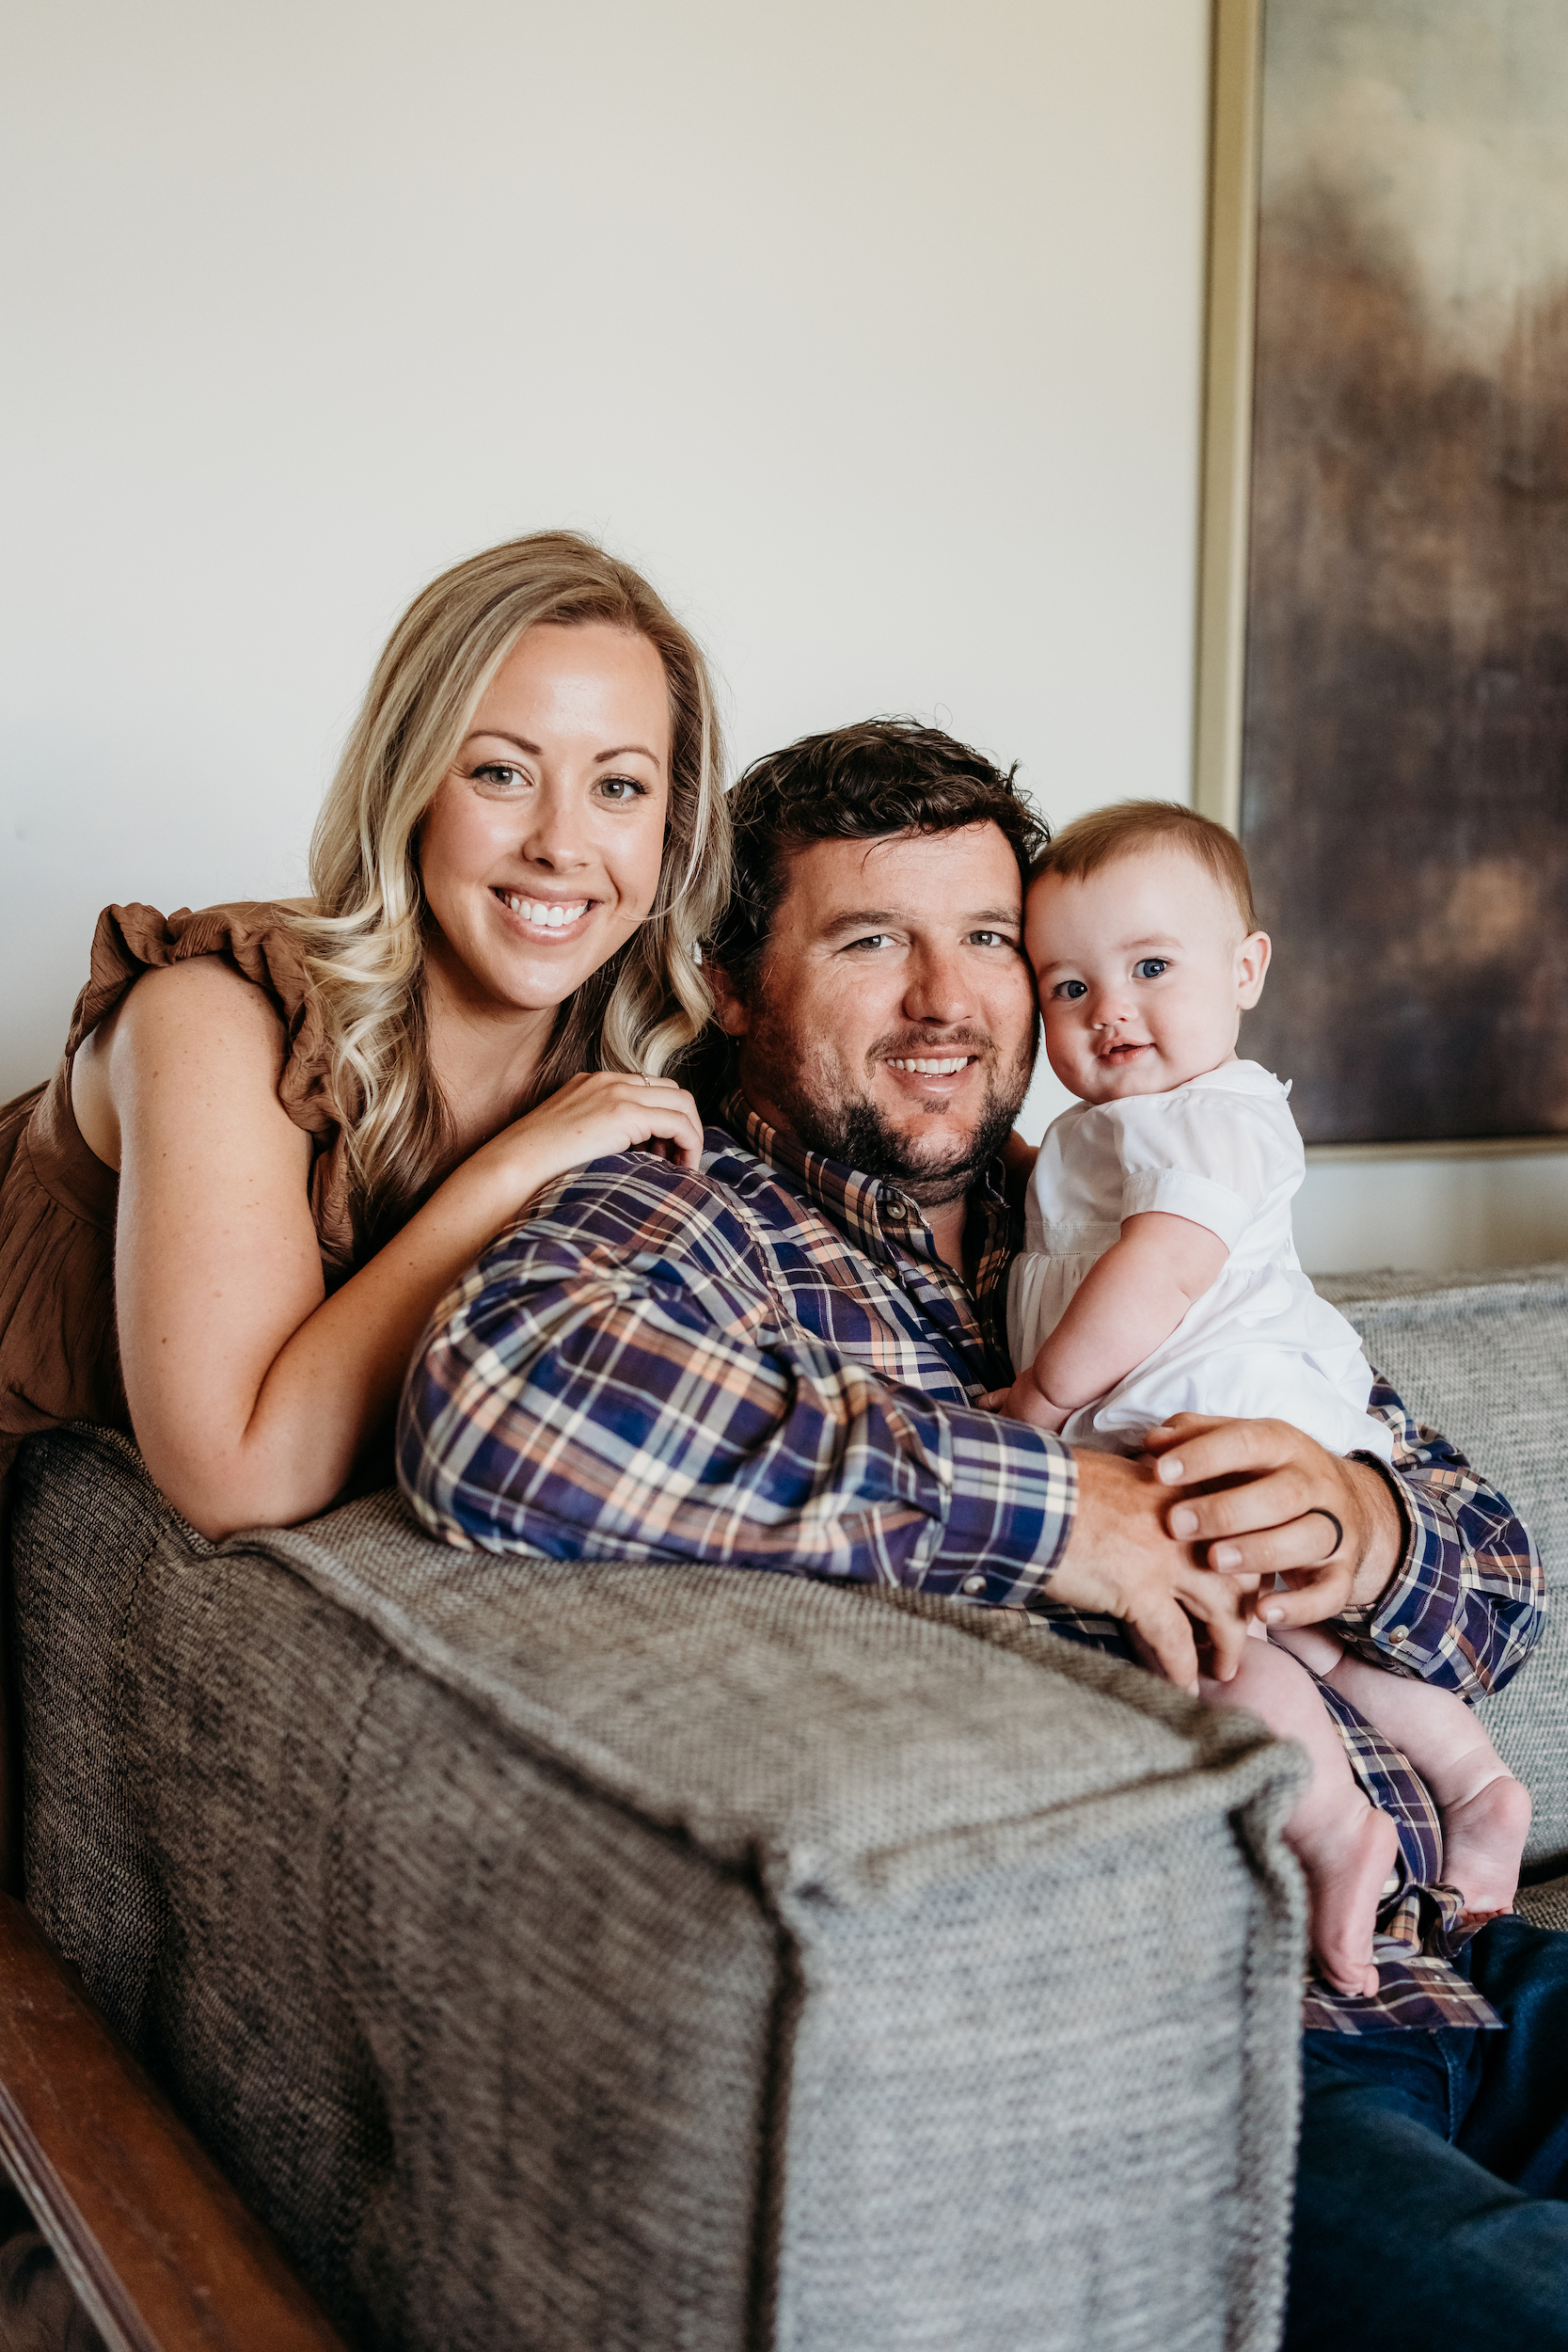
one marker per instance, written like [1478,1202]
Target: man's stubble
[847,1126]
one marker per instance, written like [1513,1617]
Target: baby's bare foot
[1484,1839]
[1347,1853]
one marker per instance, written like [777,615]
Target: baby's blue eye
[1069,990]
[1150,967]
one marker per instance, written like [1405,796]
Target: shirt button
[1399,1633]
[895,1213]
[974,1584]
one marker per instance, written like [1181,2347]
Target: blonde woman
[279,1132]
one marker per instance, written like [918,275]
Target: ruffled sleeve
[59,1356]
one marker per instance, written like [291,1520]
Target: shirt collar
[871,1210]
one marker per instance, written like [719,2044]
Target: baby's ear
[1252,962]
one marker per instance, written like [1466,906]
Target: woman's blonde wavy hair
[364,937]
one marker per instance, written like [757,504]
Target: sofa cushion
[1484,1358]
[617,1956]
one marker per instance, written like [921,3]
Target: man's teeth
[948,1069]
[549,912]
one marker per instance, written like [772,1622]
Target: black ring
[1318,1512]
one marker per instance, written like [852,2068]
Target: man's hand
[1120,1560]
[1263,1498]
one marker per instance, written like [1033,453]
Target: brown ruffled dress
[59,1357]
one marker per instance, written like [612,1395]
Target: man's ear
[729,1006]
[1252,962]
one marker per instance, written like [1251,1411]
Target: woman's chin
[533,976]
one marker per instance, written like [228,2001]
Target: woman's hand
[1265,1499]
[593,1115]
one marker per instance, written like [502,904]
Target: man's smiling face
[892,1022]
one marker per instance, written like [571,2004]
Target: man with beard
[773,1362]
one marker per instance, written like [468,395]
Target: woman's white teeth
[549,912]
[947,1069]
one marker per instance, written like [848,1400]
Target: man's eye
[623,789]
[1150,967]
[1068,992]
[872,939]
[989,939]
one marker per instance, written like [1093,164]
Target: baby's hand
[1024,1402]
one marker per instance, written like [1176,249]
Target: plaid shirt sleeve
[621,1374]
[1467,1603]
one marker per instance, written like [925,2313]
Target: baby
[1160,1278]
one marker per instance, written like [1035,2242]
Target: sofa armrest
[160,2252]
[592,1954]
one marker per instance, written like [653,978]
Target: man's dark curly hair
[880,777]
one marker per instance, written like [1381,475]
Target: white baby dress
[1222,1150]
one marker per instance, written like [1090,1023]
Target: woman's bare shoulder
[202,1015]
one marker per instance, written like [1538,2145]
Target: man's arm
[617,1379]
[1435,1576]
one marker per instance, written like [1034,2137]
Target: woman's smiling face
[541,851]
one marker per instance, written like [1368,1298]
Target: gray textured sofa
[578,1957]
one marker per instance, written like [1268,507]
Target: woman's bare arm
[250,1392]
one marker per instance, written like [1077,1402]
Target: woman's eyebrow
[521,743]
[499,734]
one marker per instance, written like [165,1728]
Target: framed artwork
[1383,660]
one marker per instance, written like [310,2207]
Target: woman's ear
[729,1006]
[1252,962]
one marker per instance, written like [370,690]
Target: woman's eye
[1069,990]
[496,771]
[1150,967]
[623,789]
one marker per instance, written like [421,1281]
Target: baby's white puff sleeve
[1210,1156]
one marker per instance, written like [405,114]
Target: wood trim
[1456,1147]
[160,2252]
[1234,116]
[11,1744]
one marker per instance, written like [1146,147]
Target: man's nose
[936,990]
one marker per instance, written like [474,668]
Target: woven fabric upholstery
[1485,1360]
[613,1956]
[1546,1905]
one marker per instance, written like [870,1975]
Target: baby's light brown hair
[1100,838]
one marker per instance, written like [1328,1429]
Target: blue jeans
[1434,2171]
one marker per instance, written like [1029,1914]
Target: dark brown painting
[1404,780]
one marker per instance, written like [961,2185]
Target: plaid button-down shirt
[766,1364]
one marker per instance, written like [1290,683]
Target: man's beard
[856,1134]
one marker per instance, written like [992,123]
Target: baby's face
[1144,972]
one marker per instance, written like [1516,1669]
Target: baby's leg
[1346,1849]
[1485,1810]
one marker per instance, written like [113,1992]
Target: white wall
[869,327]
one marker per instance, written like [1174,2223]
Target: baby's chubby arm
[1130,1301]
